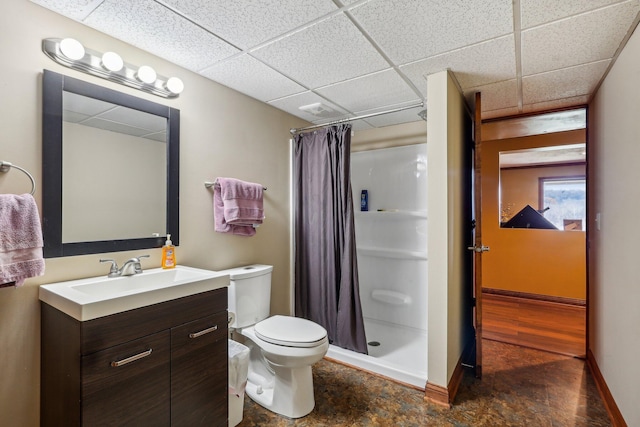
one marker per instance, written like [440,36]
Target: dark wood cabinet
[160,365]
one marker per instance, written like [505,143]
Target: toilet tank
[249,295]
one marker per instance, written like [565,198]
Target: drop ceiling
[365,56]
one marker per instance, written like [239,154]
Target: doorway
[534,276]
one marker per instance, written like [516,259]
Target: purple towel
[20,239]
[237,206]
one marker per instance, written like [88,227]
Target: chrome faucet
[129,268]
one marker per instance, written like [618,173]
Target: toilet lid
[290,331]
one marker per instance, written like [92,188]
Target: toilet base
[290,394]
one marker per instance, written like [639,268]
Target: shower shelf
[393,213]
[391,253]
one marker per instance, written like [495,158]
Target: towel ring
[5,166]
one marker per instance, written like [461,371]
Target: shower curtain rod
[365,116]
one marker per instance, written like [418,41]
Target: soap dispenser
[168,254]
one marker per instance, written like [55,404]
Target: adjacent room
[319,212]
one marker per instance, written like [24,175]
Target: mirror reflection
[112,153]
[544,188]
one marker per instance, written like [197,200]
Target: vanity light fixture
[174,85]
[72,49]
[112,61]
[146,74]
[71,53]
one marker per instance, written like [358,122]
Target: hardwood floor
[520,387]
[545,325]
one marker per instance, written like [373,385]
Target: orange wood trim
[437,394]
[445,395]
[538,297]
[612,408]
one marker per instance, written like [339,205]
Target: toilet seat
[290,331]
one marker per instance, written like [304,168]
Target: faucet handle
[143,256]
[113,270]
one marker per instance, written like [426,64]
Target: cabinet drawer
[128,384]
[104,332]
[199,372]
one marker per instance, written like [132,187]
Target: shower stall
[391,239]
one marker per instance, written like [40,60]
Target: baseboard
[437,394]
[526,295]
[445,395]
[610,404]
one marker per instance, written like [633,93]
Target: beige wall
[223,133]
[446,293]
[390,136]
[614,272]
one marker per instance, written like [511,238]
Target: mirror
[110,169]
[544,188]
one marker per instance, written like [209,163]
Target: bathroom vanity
[163,364]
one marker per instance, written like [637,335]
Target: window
[564,202]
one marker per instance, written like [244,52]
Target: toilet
[282,348]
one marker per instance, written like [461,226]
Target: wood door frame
[477,262]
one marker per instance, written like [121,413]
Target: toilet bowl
[280,377]
[282,348]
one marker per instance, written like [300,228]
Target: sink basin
[94,297]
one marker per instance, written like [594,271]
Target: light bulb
[72,49]
[112,61]
[174,85]
[146,74]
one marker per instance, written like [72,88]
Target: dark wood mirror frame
[54,85]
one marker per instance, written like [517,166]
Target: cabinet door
[128,384]
[199,372]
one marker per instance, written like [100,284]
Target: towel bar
[5,166]
[209,184]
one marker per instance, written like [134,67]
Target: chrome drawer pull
[202,332]
[115,364]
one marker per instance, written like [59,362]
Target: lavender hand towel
[222,225]
[20,239]
[242,201]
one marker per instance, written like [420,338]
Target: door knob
[482,248]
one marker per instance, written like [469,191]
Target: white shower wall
[391,241]
[392,236]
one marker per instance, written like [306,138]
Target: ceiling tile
[154,28]
[506,112]
[381,88]
[328,52]
[292,104]
[586,38]
[565,83]
[495,96]
[536,12]
[251,77]
[409,30]
[481,64]
[74,9]
[556,103]
[247,23]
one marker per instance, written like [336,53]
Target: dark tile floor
[520,387]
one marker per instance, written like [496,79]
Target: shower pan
[391,238]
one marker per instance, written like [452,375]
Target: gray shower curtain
[326,271]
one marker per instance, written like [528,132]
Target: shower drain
[373,343]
